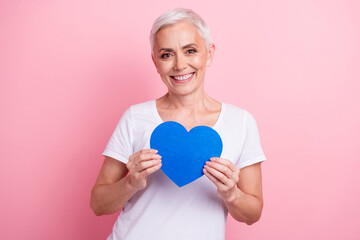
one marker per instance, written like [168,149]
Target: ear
[153,59]
[210,56]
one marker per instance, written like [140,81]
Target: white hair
[176,15]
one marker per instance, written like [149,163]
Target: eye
[166,55]
[191,51]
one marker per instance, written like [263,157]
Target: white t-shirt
[163,211]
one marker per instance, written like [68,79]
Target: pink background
[69,69]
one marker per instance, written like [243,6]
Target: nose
[180,63]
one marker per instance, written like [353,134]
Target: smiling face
[181,58]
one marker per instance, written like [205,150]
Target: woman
[154,207]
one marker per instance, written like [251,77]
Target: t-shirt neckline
[159,119]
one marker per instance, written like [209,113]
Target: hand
[140,165]
[225,175]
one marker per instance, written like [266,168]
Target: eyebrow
[184,47]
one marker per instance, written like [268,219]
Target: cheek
[164,67]
[199,62]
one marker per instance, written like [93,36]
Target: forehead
[181,34]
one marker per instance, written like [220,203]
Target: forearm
[244,207]
[110,198]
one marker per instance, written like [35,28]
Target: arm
[241,190]
[113,187]
[247,202]
[111,190]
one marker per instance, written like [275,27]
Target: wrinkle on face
[174,41]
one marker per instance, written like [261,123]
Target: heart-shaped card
[184,153]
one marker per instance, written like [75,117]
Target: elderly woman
[153,207]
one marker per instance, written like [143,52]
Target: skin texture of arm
[111,190]
[241,190]
[118,182]
[247,204]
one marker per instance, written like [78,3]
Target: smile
[183,78]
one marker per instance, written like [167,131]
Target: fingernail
[208,163]
[212,159]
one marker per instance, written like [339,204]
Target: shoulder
[137,111]
[144,108]
[234,112]
[142,115]
[238,115]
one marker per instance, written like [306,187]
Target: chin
[184,91]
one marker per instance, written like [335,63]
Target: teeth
[183,77]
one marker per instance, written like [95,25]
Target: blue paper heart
[184,153]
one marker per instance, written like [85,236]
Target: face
[181,58]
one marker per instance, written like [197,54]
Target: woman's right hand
[140,165]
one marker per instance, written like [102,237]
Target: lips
[183,78]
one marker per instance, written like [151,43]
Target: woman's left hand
[225,175]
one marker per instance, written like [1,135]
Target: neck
[195,101]
[186,102]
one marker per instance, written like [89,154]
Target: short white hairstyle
[176,15]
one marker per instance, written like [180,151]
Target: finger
[150,170]
[218,175]
[141,152]
[136,158]
[217,183]
[145,151]
[147,157]
[221,168]
[225,162]
[146,164]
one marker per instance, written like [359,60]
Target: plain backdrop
[69,69]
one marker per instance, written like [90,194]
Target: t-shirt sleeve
[252,152]
[119,146]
